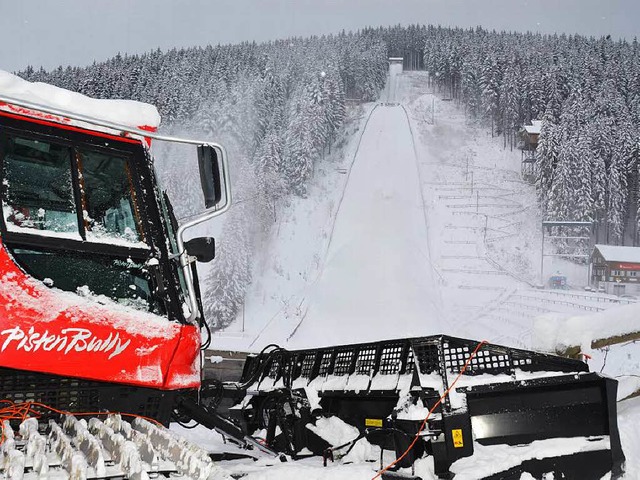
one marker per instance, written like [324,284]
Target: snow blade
[564,407]
[549,411]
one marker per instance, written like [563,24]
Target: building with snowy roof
[616,269]
[533,130]
[529,136]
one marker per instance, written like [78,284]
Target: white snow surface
[52,305]
[618,253]
[337,433]
[628,420]
[128,113]
[91,236]
[485,459]
[553,333]
[620,360]
[362,291]
[535,127]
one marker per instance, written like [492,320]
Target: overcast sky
[77,32]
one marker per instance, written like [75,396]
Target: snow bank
[337,433]
[307,469]
[628,419]
[486,461]
[628,384]
[552,332]
[125,112]
[334,430]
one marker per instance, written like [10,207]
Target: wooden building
[616,269]
[529,136]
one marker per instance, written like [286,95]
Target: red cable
[424,422]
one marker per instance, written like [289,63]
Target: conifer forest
[280,106]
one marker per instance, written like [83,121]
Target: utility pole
[433,110]
[486,224]
[542,259]
[466,175]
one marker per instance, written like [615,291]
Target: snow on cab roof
[615,253]
[128,113]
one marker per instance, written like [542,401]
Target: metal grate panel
[437,354]
[325,364]
[274,369]
[366,361]
[342,364]
[391,360]
[411,362]
[77,395]
[428,355]
[308,360]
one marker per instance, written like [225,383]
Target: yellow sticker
[457,438]
[372,422]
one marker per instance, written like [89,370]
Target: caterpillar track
[76,449]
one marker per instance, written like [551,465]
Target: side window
[38,192]
[109,200]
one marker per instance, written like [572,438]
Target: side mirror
[203,248]
[208,161]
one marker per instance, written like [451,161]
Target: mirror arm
[208,214]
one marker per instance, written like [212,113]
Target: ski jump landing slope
[376,281]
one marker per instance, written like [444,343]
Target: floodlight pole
[542,259]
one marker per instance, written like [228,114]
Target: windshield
[123,281]
[73,219]
[39,192]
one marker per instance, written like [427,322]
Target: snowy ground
[419,224]
[381,212]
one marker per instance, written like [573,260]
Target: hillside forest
[280,106]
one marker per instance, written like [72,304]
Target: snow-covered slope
[376,280]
